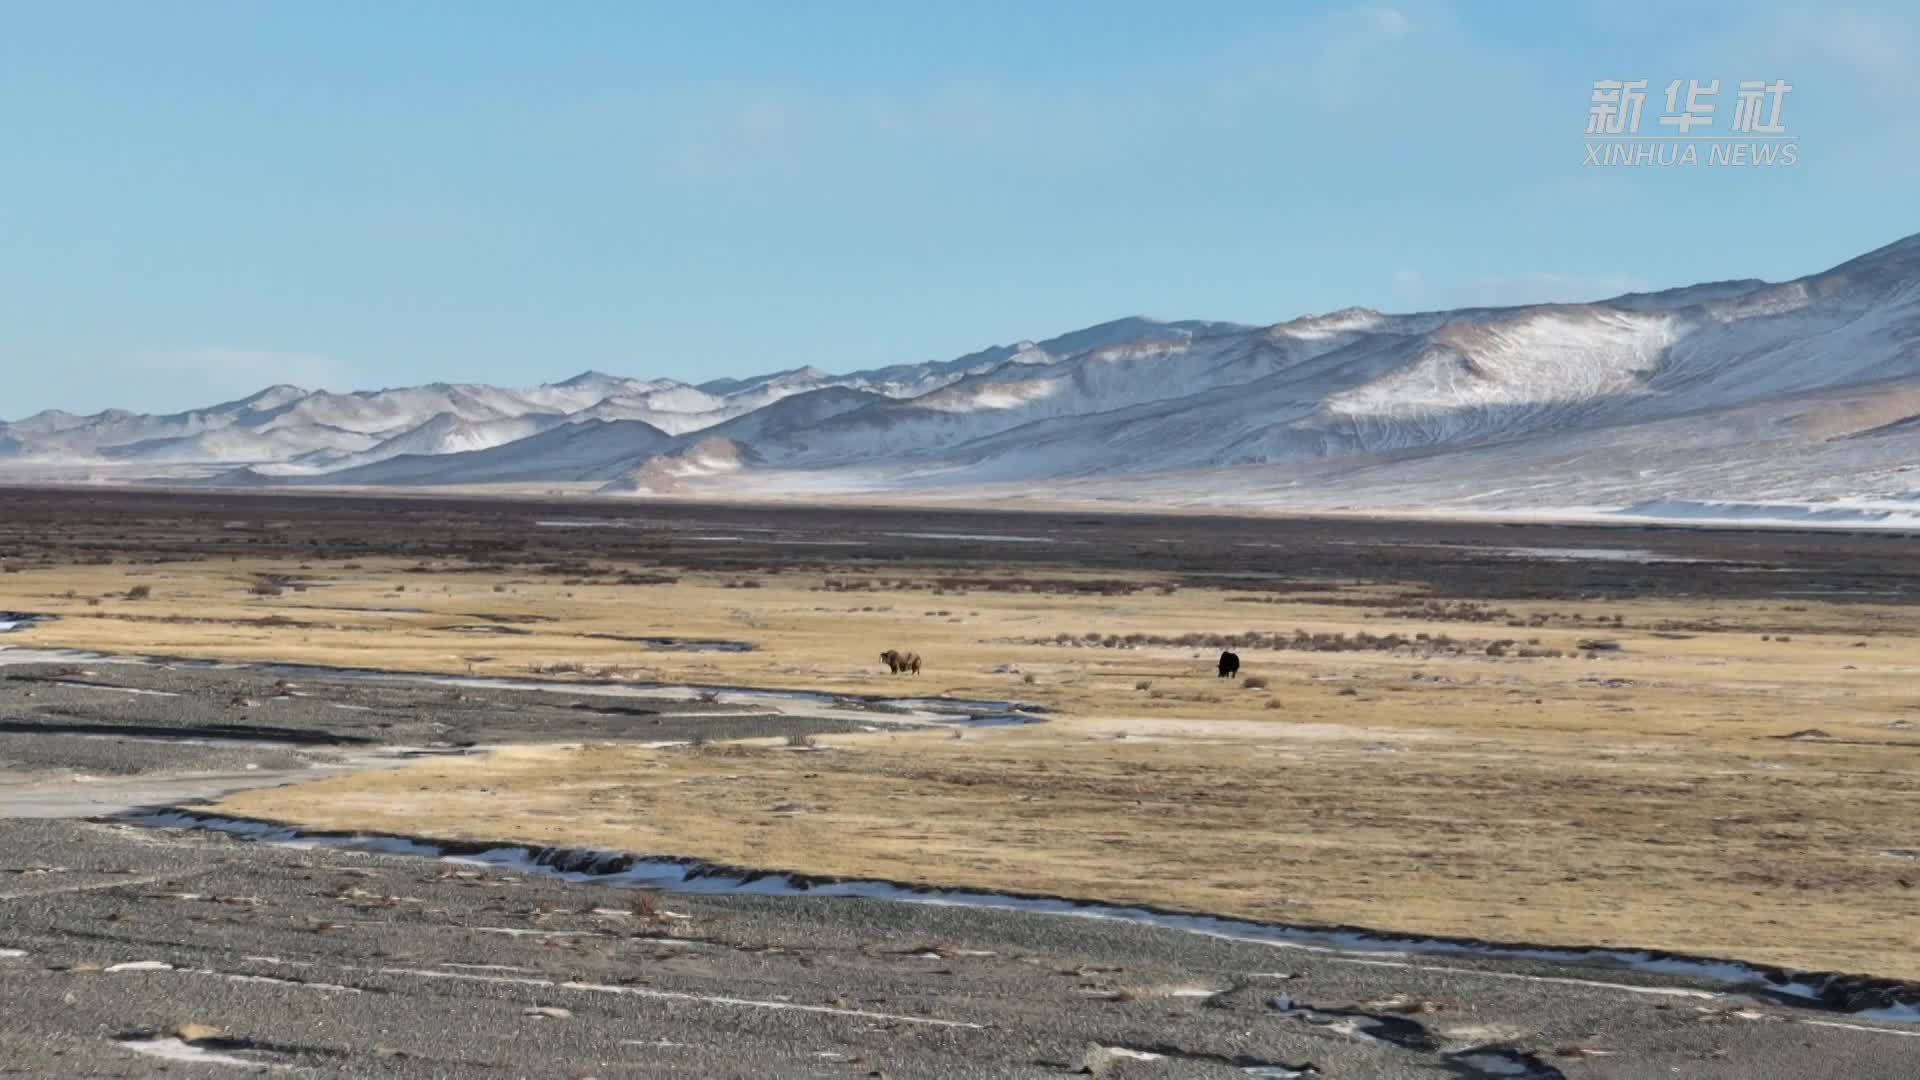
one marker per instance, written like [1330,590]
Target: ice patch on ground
[180,1051]
[1500,1062]
[1481,973]
[688,876]
[269,980]
[12,655]
[674,995]
[284,836]
[955,711]
[1871,1014]
[134,690]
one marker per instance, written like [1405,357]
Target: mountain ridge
[1355,394]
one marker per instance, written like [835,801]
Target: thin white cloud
[1384,20]
[1366,56]
[1881,50]
[1855,70]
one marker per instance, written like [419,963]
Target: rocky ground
[126,950]
[83,736]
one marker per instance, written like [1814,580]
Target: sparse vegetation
[957,585]
[1420,738]
[1417,644]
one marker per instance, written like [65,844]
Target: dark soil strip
[233,732]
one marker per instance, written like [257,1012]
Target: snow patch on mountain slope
[1345,321]
[291,431]
[446,433]
[1802,392]
[1097,382]
[670,473]
[671,421]
[567,452]
[240,445]
[1540,358]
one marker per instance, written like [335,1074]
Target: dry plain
[1662,739]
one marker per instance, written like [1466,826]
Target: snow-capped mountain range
[1806,391]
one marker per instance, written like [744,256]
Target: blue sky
[198,199]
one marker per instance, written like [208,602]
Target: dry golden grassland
[1649,796]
